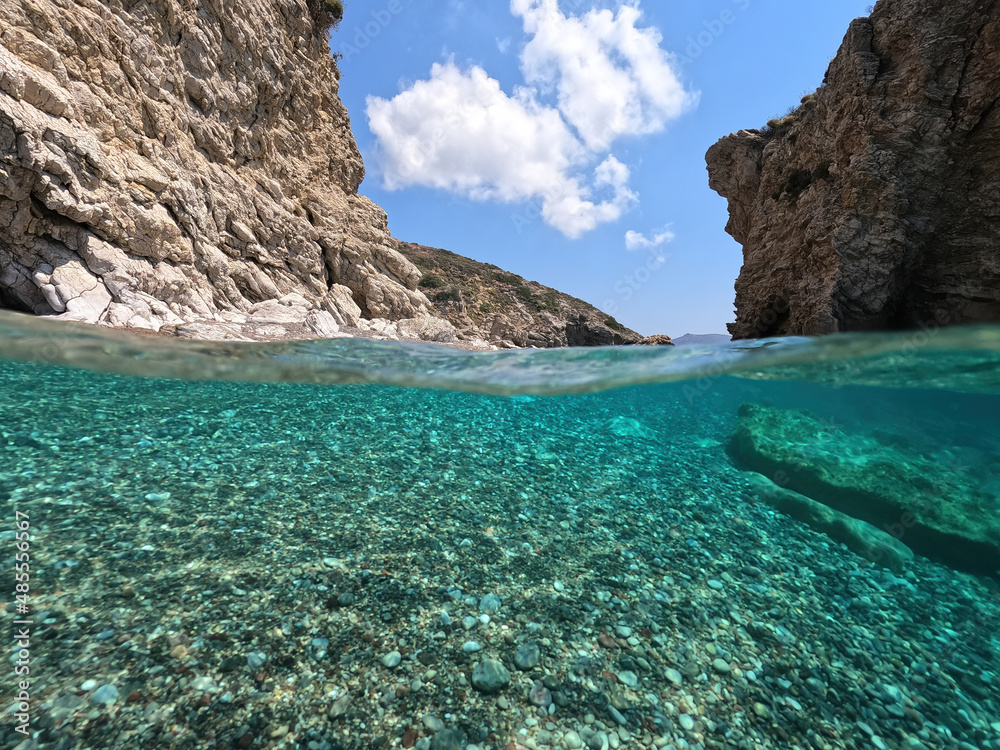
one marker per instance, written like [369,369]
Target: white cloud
[459,131]
[569,210]
[611,77]
[637,241]
[503,44]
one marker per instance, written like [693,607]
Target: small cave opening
[10,302]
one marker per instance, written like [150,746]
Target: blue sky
[565,141]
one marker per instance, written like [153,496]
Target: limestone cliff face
[876,205]
[169,161]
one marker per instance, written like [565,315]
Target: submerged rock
[627,427]
[930,508]
[860,537]
[527,656]
[490,676]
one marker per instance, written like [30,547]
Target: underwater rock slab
[627,427]
[934,510]
[871,543]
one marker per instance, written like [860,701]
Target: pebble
[490,603]
[339,707]
[572,740]
[392,659]
[673,676]
[469,622]
[432,723]
[623,631]
[88,685]
[205,685]
[490,676]
[598,741]
[106,694]
[721,666]
[616,716]
[687,723]
[540,695]
[256,660]
[527,656]
[628,679]
[471,647]
[449,739]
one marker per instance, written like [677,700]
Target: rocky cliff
[485,302]
[876,203]
[178,166]
[169,161]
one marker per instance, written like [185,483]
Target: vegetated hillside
[484,301]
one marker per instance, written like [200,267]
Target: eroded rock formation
[935,511]
[172,162]
[875,204]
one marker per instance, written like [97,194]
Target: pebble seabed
[228,566]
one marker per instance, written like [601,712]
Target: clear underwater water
[301,545]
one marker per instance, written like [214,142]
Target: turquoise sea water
[356,544]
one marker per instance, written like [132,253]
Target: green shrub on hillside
[550,303]
[432,281]
[326,14]
[524,292]
[508,278]
[451,294]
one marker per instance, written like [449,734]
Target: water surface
[363,544]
